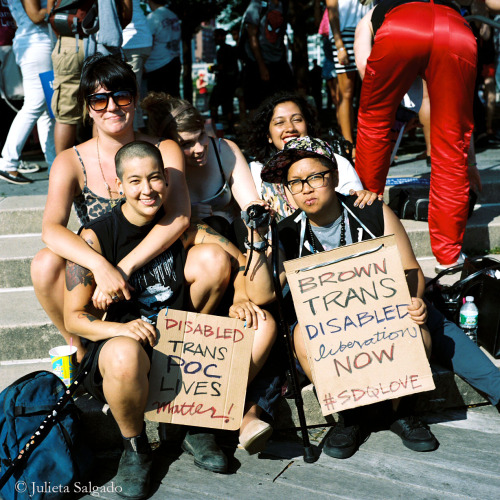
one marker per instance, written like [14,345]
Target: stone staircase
[26,334]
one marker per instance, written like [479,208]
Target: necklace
[112,201]
[342,232]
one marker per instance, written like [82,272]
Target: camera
[256,216]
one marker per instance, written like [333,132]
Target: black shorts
[93,381]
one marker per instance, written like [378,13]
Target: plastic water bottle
[468,318]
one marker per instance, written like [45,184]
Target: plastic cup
[63,360]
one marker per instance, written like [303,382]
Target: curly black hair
[258,143]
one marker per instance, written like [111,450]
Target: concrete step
[16,254]
[490,183]
[103,433]
[25,331]
[482,232]
[23,214]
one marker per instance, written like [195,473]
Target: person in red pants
[406,39]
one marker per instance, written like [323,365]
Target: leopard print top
[88,205]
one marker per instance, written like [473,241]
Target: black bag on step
[478,280]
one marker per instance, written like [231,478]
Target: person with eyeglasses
[325,220]
[84,176]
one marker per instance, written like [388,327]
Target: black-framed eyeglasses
[314,180]
[100,101]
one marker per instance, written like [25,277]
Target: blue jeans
[454,350]
[33,59]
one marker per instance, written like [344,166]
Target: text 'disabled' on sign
[352,306]
[199,370]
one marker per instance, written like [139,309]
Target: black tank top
[158,284]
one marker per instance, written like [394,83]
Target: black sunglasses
[100,101]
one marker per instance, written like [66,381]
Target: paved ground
[465,466]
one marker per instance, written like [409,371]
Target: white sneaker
[460,261]
[28,168]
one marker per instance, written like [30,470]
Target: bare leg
[424,115]
[300,352]
[48,277]
[64,136]
[124,366]
[345,112]
[207,273]
[490,97]
[265,336]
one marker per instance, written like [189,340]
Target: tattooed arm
[80,316]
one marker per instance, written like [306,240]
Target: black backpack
[74,17]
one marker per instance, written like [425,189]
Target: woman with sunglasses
[85,176]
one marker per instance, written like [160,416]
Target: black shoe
[207,455]
[414,433]
[14,179]
[343,441]
[133,479]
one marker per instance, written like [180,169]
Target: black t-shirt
[157,284]
[383,7]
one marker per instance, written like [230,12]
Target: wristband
[258,246]
[341,48]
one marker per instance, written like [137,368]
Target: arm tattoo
[88,316]
[76,275]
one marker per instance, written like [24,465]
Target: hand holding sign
[362,343]
[199,370]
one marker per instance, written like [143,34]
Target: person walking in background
[163,67]
[137,45]
[226,78]
[432,41]
[32,47]
[266,68]
[343,16]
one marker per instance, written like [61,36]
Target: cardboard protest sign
[361,343]
[199,370]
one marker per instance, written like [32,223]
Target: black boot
[201,444]
[133,476]
[413,432]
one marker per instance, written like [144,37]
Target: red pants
[436,43]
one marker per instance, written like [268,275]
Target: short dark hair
[168,115]
[137,149]
[110,72]
[258,143]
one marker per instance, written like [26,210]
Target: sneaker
[414,433]
[14,179]
[28,168]
[460,261]
[343,441]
